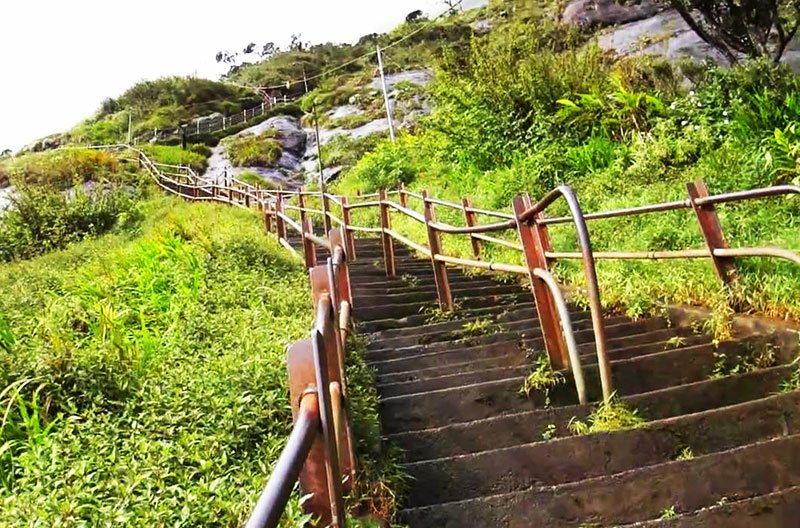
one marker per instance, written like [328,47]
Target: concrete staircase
[720,446]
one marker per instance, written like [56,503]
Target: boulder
[602,13]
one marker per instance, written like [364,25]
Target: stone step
[510,426]
[396,326]
[637,495]
[576,458]
[780,509]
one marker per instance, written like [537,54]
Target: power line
[289,84]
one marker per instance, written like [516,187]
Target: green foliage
[154,368]
[609,415]
[196,156]
[685,454]
[668,513]
[42,219]
[249,150]
[163,103]
[542,379]
[750,358]
[62,168]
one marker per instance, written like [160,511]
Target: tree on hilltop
[755,28]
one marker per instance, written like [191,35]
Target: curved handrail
[567,331]
[273,500]
[589,270]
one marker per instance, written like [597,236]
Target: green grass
[250,150]
[142,374]
[195,156]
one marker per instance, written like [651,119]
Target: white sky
[60,58]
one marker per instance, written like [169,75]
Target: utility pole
[323,201]
[305,79]
[386,96]
[130,130]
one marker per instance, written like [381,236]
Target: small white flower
[673,105]
[725,113]
[684,122]
[699,105]
[727,121]
[697,127]
[691,93]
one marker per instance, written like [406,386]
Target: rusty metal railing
[328,465]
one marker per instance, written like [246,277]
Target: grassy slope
[636,138]
[144,384]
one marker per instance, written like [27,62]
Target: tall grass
[142,379]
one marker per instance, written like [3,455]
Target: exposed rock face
[602,13]
[288,169]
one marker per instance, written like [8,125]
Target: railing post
[326,206]
[711,229]
[534,244]
[267,219]
[349,237]
[388,241]
[439,268]
[309,249]
[471,220]
[314,476]
[401,191]
[280,225]
[321,289]
[338,238]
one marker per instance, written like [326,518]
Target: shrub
[196,156]
[61,168]
[41,219]
[249,150]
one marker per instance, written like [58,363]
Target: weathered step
[394,311]
[633,375]
[577,458]
[428,296]
[429,285]
[618,331]
[507,426]
[634,495]
[399,325]
[780,509]
[483,398]
[510,360]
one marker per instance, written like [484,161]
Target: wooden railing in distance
[321,439]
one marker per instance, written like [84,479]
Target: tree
[6,153]
[297,43]
[249,48]
[755,28]
[226,57]
[268,50]
[453,5]
[414,16]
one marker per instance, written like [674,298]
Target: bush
[61,168]
[42,219]
[196,156]
[249,150]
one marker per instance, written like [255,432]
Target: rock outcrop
[602,13]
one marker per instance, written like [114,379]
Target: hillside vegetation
[143,377]
[532,105]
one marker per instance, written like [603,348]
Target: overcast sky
[60,58]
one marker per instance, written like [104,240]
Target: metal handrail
[273,500]
[567,331]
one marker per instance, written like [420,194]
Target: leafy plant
[475,328]
[543,379]
[609,415]
[250,150]
[668,513]
[685,454]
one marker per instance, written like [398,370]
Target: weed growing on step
[675,342]
[549,432]
[790,385]
[409,280]
[543,379]
[668,513]
[685,454]
[611,415]
[753,357]
[476,328]
[434,314]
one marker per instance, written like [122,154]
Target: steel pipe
[569,334]
[272,502]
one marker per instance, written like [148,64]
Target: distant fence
[203,126]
